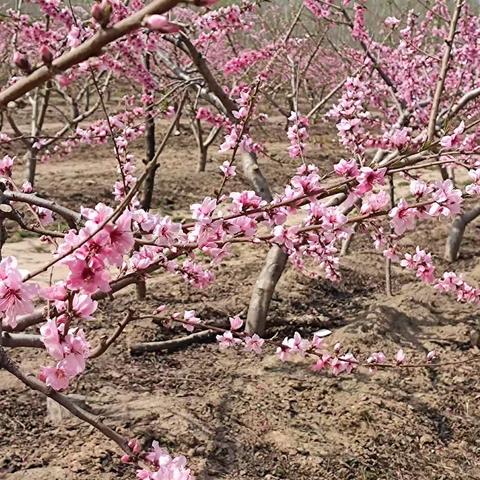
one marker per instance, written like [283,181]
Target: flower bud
[46,55]
[125,458]
[160,24]
[21,61]
[97,13]
[101,12]
[134,444]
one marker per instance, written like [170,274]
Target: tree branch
[90,48]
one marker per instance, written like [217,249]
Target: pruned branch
[171,345]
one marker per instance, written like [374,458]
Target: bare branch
[174,344]
[432,122]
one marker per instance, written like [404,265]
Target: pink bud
[160,309]
[134,444]
[337,347]
[160,24]
[21,61]
[125,458]
[46,55]
[400,357]
[101,12]
[97,12]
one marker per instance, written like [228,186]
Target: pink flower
[346,168]
[228,170]
[374,202]
[170,112]
[88,276]
[134,445]
[54,377]
[166,467]
[422,263]
[346,364]
[191,320]
[322,362]
[391,22]
[245,200]
[51,339]
[297,344]
[376,358]
[6,164]
[157,456]
[243,225]
[319,339]
[419,188]
[97,215]
[453,140]
[474,188]
[44,215]
[27,187]
[368,178]
[448,200]
[235,322]
[16,296]
[403,217]
[400,138]
[203,211]
[144,257]
[227,340]
[254,344]
[83,306]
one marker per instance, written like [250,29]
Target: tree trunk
[31,159]
[252,172]
[346,243]
[454,240]
[147,193]
[202,158]
[275,260]
[202,148]
[262,293]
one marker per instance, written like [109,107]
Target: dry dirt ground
[242,417]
